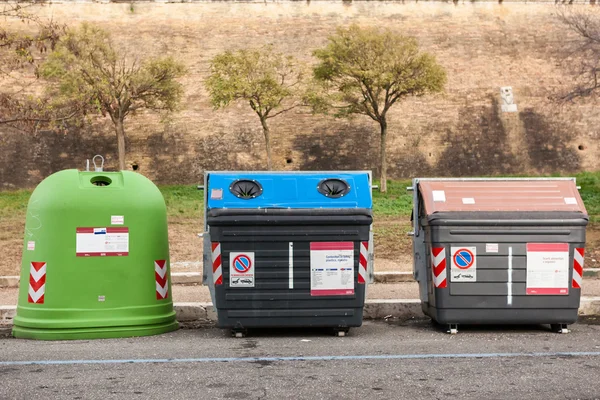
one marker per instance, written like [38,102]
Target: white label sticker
[468,200]
[464,264]
[491,247]
[241,269]
[117,220]
[216,194]
[331,268]
[31,245]
[101,298]
[439,195]
[547,268]
[570,200]
[100,242]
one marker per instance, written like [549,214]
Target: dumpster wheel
[559,328]
[341,332]
[239,333]
[452,329]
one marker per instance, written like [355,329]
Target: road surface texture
[382,360]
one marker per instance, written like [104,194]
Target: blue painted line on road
[301,358]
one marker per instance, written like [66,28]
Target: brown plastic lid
[500,195]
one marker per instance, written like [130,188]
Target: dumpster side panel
[498,292]
[276,298]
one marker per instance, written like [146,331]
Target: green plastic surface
[102,296]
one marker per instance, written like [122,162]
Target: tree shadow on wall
[28,158]
[357,149]
[479,146]
[548,144]
[179,158]
[409,163]
[353,148]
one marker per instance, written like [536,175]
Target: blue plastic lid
[289,190]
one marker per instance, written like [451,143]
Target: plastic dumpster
[95,259]
[499,251]
[288,249]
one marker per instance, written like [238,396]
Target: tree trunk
[120,143]
[267,134]
[383,183]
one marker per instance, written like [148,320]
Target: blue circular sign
[464,258]
[242,263]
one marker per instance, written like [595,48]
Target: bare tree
[585,22]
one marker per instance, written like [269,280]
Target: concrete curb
[591,273]
[186,278]
[186,264]
[374,309]
[9,281]
[7,313]
[392,277]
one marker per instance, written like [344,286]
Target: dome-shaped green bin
[95,259]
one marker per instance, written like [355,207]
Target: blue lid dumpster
[288,249]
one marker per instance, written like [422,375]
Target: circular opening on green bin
[101,181]
[333,188]
[246,189]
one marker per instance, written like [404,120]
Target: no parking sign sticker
[464,264]
[241,269]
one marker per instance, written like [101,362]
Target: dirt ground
[392,245]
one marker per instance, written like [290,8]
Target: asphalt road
[381,360]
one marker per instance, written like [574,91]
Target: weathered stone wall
[483,46]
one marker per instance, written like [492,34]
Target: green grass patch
[183,201]
[14,203]
[590,193]
[396,202]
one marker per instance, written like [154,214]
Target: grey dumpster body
[499,251]
[291,253]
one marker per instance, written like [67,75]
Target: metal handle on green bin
[101,167]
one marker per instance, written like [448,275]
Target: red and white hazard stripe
[438,267]
[37,282]
[362,262]
[162,279]
[216,260]
[578,268]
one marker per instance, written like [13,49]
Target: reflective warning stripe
[578,268]
[362,262]
[216,260]
[37,282]
[438,267]
[162,279]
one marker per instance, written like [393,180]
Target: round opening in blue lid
[333,188]
[246,189]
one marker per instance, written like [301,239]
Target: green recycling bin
[95,259]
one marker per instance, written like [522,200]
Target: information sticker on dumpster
[241,269]
[547,268]
[331,268]
[464,264]
[100,242]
